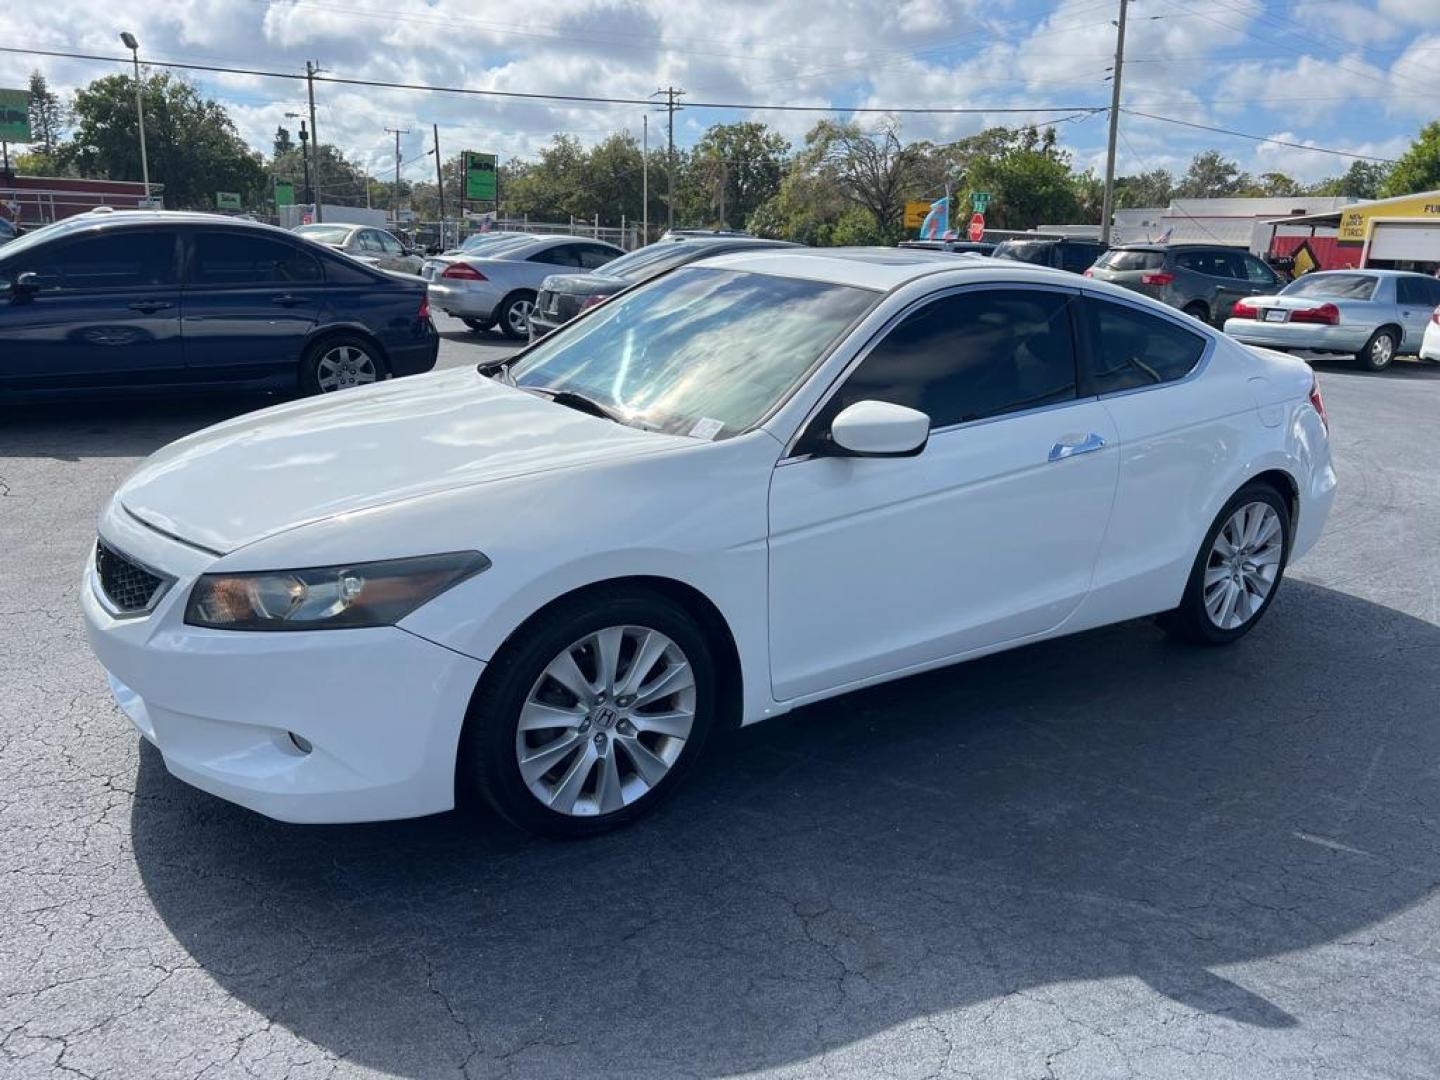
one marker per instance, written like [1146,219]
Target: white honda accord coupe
[757,481]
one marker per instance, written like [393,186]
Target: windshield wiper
[579,402]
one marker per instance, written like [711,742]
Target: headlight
[327,597]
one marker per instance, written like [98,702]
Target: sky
[1356,75]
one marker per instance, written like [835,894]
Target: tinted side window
[1077,258]
[389,244]
[559,255]
[1129,348]
[1417,291]
[116,260]
[346,272]
[236,258]
[968,356]
[592,258]
[1256,271]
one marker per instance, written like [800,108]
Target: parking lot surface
[1105,856]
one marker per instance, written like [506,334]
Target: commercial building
[39,200]
[1400,233]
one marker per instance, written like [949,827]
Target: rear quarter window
[1130,349]
[1121,261]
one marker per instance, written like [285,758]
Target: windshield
[648,261]
[325,234]
[1131,260]
[1334,286]
[700,351]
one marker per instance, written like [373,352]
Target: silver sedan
[497,283]
[1374,315]
[366,243]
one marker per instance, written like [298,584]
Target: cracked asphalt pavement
[1105,856]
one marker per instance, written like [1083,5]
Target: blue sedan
[156,300]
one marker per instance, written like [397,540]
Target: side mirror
[24,287]
[879,429]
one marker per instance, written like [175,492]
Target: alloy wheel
[344,366]
[518,315]
[1243,565]
[1382,351]
[606,721]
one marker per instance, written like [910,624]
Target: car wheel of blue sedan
[339,364]
[1378,351]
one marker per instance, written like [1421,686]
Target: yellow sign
[915,214]
[1355,221]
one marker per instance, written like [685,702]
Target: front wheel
[515,315]
[1238,570]
[340,363]
[590,717]
[1378,351]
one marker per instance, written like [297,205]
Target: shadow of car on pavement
[1100,806]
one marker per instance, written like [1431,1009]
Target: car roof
[1374,271]
[873,267]
[1155,245]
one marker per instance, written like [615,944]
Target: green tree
[342,181]
[738,167]
[284,142]
[1418,168]
[47,115]
[1211,176]
[1145,190]
[872,169]
[1362,180]
[193,146]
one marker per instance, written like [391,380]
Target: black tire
[1196,310]
[1375,357]
[510,314]
[1189,621]
[487,765]
[310,364]
[479,325]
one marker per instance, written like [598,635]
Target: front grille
[546,301]
[128,586]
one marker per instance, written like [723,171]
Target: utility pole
[671,93]
[1108,207]
[395,198]
[440,182]
[308,193]
[311,70]
[645,180]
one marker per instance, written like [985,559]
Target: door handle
[1071,445]
[148,306]
[287,300]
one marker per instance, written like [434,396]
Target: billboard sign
[479,176]
[227,200]
[15,116]
[284,193]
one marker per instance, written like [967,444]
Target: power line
[1259,138]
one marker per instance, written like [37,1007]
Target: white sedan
[761,480]
[1430,344]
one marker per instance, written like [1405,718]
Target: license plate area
[1276,314]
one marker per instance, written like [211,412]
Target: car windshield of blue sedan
[703,352]
[1333,286]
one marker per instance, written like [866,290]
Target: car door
[1415,300]
[990,535]
[1179,437]
[392,254]
[248,302]
[1260,280]
[101,309]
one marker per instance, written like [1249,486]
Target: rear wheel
[1238,570]
[1197,310]
[340,363]
[515,315]
[1378,351]
[479,325]
[590,717]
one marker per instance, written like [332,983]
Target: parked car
[372,246]
[145,300]
[563,296]
[1430,343]
[959,247]
[1203,280]
[498,283]
[1374,315]
[479,240]
[757,481]
[691,234]
[1063,253]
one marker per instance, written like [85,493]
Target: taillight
[1435,316]
[463,271]
[1089,273]
[424,312]
[1316,401]
[1328,314]
[591,301]
[1161,278]
[1243,309]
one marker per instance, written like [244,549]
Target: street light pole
[395,196]
[130,42]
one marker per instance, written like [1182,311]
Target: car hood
[252,477]
[584,284]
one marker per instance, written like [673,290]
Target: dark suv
[1203,280]
[1062,252]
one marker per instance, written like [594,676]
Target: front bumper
[471,301]
[1313,336]
[380,709]
[1430,344]
[540,325]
